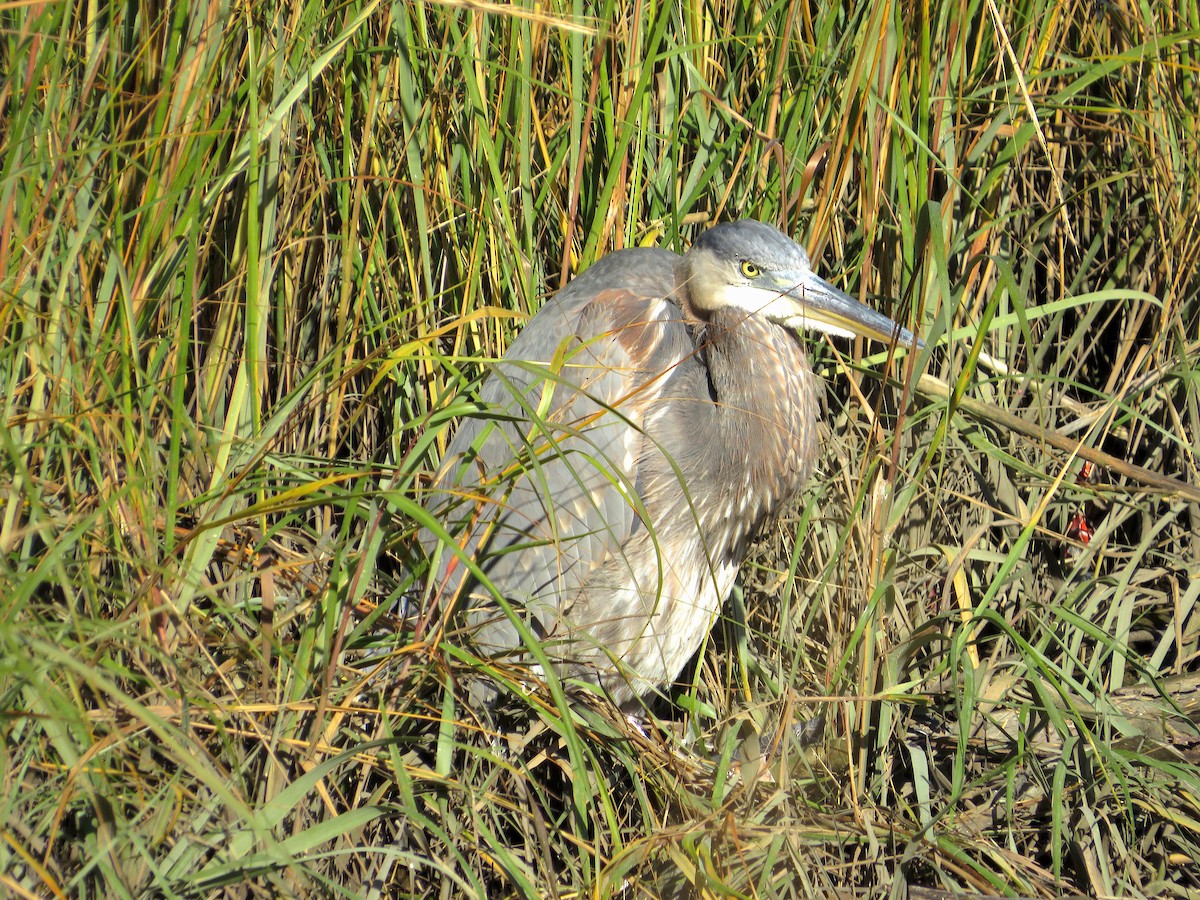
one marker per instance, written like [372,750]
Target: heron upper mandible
[642,428]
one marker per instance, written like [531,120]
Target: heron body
[643,427]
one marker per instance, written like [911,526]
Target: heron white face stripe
[780,307]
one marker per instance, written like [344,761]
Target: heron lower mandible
[641,430]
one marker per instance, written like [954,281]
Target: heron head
[753,267]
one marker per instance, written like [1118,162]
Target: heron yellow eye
[750,270]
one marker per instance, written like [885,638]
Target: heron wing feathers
[552,469]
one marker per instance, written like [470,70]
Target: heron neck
[765,407]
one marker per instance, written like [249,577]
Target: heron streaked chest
[751,425]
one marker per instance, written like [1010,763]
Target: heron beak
[822,307]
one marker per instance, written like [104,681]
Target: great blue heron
[642,428]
